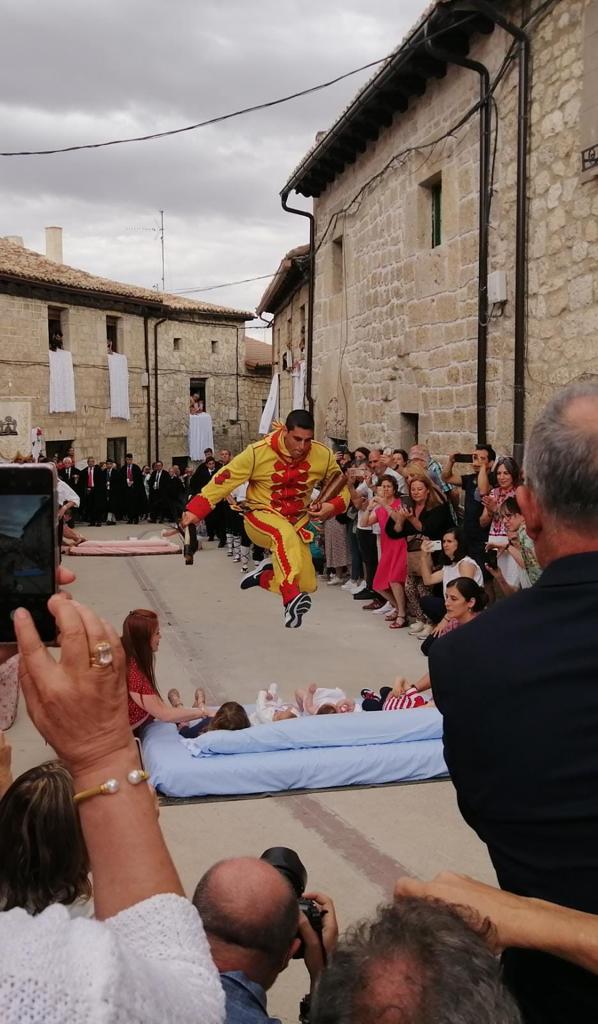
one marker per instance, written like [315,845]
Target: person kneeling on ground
[141,639]
[252,920]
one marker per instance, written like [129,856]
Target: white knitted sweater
[149,964]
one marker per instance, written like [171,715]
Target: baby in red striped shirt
[401,697]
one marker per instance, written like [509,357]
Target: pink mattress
[126,548]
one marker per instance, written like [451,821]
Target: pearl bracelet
[111,786]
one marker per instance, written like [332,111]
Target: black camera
[290,865]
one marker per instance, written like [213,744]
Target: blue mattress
[311,753]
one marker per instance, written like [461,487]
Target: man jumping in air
[281,471]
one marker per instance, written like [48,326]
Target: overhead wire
[199,124]
[221,117]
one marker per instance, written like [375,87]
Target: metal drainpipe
[156,399]
[310,305]
[521,216]
[149,406]
[449,57]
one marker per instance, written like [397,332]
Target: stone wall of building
[289,332]
[396,319]
[185,351]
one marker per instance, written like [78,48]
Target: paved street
[353,843]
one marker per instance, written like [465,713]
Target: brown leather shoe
[372,606]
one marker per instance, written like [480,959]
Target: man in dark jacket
[92,491]
[132,488]
[518,691]
[159,493]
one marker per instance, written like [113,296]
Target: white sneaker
[384,610]
[416,628]
[360,586]
[349,585]
[334,581]
[423,633]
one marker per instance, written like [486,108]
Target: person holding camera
[252,918]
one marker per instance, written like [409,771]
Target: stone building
[174,346]
[287,300]
[412,337]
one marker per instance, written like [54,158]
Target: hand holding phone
[29,552]
[463,457]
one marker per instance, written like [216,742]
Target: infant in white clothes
[270,708]
[325,700]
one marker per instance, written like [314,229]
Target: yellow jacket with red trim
[275,480]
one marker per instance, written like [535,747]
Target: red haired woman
[141,639]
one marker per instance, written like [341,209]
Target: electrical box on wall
[497,287]
[145,379]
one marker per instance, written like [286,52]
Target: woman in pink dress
[392,567]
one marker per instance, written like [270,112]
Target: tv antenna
[158,231]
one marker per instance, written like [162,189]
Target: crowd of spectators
[93,921]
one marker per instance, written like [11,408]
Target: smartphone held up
[29,552]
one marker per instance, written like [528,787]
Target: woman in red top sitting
[141,639]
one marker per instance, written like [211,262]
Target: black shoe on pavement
[295,610]
[221,543]
[364,595]
[253,578]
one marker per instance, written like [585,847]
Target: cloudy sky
[76,72]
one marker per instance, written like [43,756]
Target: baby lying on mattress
[316,700]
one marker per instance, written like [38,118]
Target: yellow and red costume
[278,494]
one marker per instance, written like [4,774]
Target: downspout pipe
[448,57]
[311,296]
[156,396]
[149,404]
[523,40]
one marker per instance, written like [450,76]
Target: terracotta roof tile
[257,353]
[27,265]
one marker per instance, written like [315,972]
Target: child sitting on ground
[401,697]
[325,700]
[270,708]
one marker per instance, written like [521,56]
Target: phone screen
[28,546]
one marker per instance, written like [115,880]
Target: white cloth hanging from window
[299,385]
[118,371]
[270,408]
[201,435]
[62,382]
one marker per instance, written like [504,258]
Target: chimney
[16,240]
[54,244]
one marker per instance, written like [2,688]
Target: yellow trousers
[293,568]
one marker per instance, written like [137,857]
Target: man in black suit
[70,474]
[92,491]
[518,689]
[132,488]
[177,498]
[113,494]
[202,474]
[159,493]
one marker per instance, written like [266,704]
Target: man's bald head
[250,914]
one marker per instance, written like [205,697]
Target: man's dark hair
[269,932]
[129,455]
[418,962]
[300,418]
[486,448]
[511,505]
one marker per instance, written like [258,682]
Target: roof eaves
[404,75]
